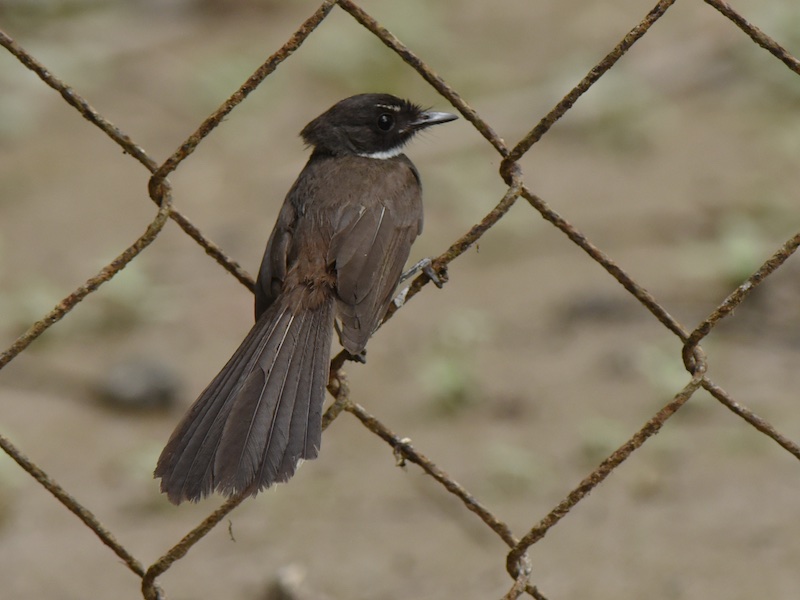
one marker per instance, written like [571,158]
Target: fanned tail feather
[260,415]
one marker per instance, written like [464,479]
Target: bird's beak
[429,117]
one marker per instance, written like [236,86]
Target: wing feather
[369,254]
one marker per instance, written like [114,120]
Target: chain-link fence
[523,571]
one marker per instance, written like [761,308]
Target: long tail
[260,415]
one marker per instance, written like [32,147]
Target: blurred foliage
[742,241]
[34,11]
[513,469]
[599,438]
[130,299]
[662,368]
[448,370]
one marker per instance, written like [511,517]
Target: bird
[332,262]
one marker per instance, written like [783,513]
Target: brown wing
[371,245]
[274,265]
[356,217]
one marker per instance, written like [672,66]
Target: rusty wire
[517,562]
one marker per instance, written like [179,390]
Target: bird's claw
[426,266]
[361,357]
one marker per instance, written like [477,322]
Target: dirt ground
[517,378]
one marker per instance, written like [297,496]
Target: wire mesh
[518,543]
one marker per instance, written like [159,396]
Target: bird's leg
[400,299]
[361,357]
[426,266]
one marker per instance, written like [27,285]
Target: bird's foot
[361,357]
[426,266]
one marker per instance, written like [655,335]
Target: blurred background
[518,378]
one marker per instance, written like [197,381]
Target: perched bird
[336,254]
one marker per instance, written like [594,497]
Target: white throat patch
[383,154]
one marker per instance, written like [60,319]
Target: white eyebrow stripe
[383,154]
[392,107]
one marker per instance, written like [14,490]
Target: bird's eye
[385,122]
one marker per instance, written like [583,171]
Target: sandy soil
[517,379]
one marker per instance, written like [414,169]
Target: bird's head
[372,125]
